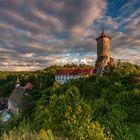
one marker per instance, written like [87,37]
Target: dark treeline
[98,107]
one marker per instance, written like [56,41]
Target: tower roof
[103,35]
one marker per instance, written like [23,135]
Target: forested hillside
[95,108]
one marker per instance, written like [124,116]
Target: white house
[63,75]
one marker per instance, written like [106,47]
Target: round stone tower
[103,53]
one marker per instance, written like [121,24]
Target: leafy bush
[71,117]
[98,107]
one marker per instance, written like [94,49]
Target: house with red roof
[15,99]
[64,75]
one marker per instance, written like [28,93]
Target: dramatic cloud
[35,34]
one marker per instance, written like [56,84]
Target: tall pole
[102,29]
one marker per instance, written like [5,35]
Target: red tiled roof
[75,71]
[28,86]
[102,36]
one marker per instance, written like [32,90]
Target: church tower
[103,53]
[17,82]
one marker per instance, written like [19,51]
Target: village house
[15,99]
[64,75]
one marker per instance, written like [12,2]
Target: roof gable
[16,96]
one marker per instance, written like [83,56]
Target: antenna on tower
[102,29]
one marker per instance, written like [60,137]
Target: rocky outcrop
[104,64]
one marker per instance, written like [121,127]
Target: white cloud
[34,34]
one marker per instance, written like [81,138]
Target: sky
[35,34]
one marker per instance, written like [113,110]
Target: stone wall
[103,47]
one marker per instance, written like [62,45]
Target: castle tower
[103,53]
[103,45]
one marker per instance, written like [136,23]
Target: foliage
[68,115]
[15,135]
[98,107]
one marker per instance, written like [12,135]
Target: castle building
[104,60]
[64,75]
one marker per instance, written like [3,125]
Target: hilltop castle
[104,60]
[103,63]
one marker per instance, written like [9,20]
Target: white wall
[65,78]
[13,108]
